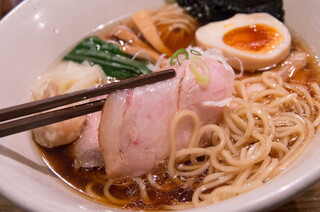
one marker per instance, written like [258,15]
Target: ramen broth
[61,162]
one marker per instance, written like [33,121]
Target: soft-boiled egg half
[259,40]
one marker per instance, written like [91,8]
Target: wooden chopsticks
[33,121]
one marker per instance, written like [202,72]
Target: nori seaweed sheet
[206,11]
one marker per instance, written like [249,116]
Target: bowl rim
[262,203]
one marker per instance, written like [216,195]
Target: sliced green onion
[195,52]
[200,71]
[176,54]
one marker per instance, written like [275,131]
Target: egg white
[211,35]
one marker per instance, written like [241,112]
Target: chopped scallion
[176,56]
[200,71]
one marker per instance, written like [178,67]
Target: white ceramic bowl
[38,32]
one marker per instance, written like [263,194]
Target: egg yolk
[254,38]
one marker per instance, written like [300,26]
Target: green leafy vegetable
[108,56]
